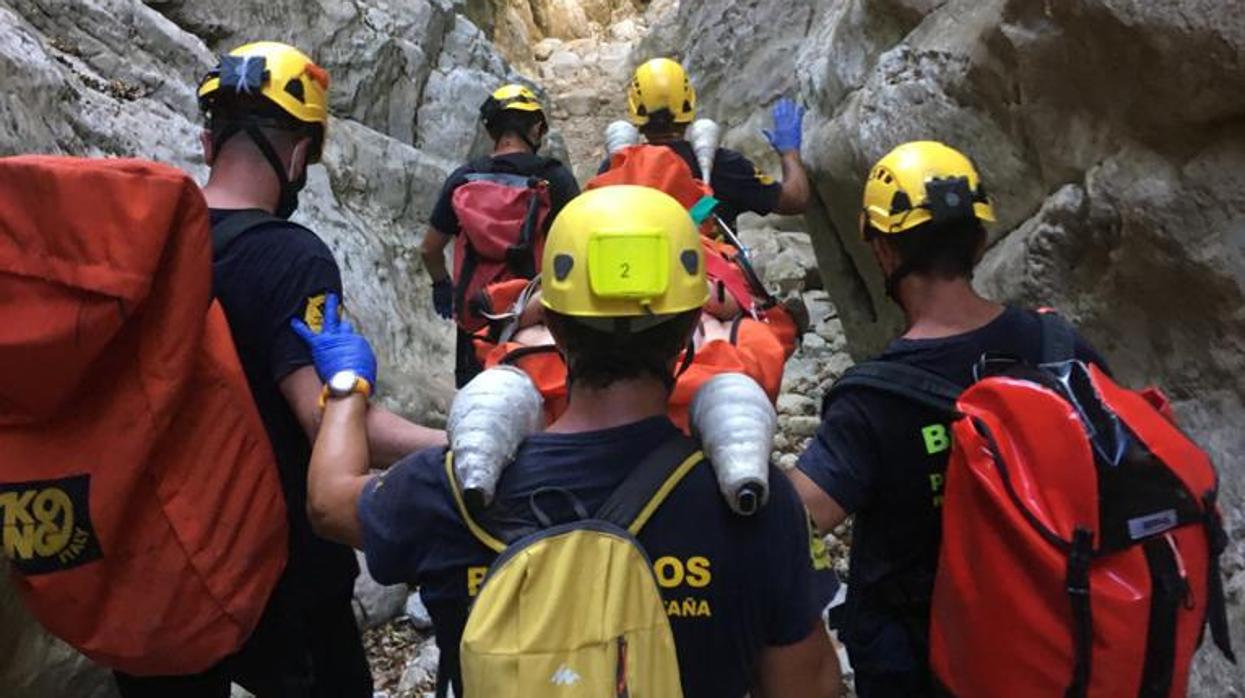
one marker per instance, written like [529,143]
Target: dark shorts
[315,654]
[894,685]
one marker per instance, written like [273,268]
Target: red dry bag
[139,496]
[1080,535]
[501,218]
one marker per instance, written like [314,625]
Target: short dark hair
[946,250]
[598,358]
[512,121]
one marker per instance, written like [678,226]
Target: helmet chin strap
[287,201]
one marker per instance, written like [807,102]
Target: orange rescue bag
[138,492]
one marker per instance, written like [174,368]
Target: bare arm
[826,513]
[807,669]
[795,188]
[339,471]
[389,437]
[432,249]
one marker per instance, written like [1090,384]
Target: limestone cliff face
[117,78]
[1112,135]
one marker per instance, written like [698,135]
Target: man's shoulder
[423,468]
[284,240]
[412,482]
[734,161]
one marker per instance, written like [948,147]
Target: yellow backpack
[573,609]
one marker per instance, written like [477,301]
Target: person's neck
[662,138]
[232,186]
[937,307]
[621,403]
[510,145]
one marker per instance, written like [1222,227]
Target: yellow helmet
[661,84]
[280,73]
[922,181]
[623,251]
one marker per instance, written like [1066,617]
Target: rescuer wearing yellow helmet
[661,102]
[266,111]
[624,283]
[488,222]
[883,457]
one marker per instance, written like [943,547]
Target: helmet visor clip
[949,199]
[243,74]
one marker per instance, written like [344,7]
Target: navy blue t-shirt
[883,458]
[732,585]
[739,184]
[265,277]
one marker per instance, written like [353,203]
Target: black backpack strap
[233,227]
[1058,338]
[1076,583]
[905,381]
[1216,606]
[639,496]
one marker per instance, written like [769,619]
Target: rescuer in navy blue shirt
[516,121]
[265,107]
[661,102]
[743,594]
[750,580]
[882,458]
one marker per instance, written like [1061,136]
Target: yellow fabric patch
[762,177]
[817,548]
[313,314]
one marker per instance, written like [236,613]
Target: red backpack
[501,219]
[141,504]
[1080,535]
[657,167]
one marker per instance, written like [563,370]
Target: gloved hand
[443,298]
[787,135]
[337,347]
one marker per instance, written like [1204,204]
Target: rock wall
[1111,133]
[117,78]
[516,26]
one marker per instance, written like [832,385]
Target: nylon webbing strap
[230,229]
[1216,606]
[649,483]
[909,382]
[1077,587]
[1058,338]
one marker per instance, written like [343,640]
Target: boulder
[376,604]
[36,664]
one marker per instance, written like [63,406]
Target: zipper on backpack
[620,670]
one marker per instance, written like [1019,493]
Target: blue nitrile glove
[337,347]
[443,298]
[787,135]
